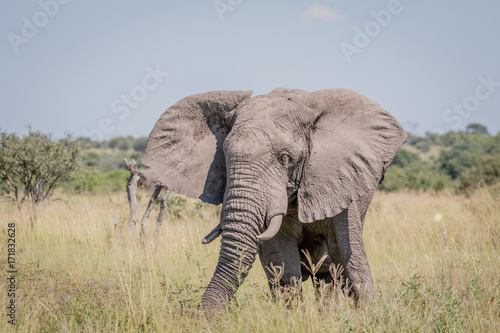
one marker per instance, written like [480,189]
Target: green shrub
[96,182]
[111,162]
[485,173]
[461,157]
[404,158]
[492,146]
[414,177]
[31,166]
[88,143]
[121,143]
[423,144]
[91,159]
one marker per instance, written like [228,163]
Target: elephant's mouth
[271,231]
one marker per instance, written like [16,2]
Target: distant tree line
[103,166]
[459,160]
[123,143]
[108,155]
[31,166]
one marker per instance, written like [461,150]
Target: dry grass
[75,274]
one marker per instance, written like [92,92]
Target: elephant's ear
[353,140]
[184,150]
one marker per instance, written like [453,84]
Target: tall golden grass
[435,260]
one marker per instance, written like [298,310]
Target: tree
[405,158]
[121,143]
[485,172]
[477,128]
[91,159]
[140,144]
[460,157]
[31,166]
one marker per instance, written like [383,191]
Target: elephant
[293,170]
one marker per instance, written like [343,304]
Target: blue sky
[109,68]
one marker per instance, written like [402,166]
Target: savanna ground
[76,274]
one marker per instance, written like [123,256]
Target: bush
[492,146]
[91,159]
[414,177]
[404,158]
[121,143]
[31,166]
[485,173]
[461,157]
[88,143]
[110,162]
[423,146]
[96,182]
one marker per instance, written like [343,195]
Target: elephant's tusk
[212,235]
[272,230]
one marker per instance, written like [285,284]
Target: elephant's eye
[284,159]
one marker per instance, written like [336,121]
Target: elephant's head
[326,148]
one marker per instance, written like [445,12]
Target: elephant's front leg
[346,247]
[282,253]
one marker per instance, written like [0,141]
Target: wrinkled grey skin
[146,180]
[313,157]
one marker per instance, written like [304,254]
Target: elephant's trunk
[240,224]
